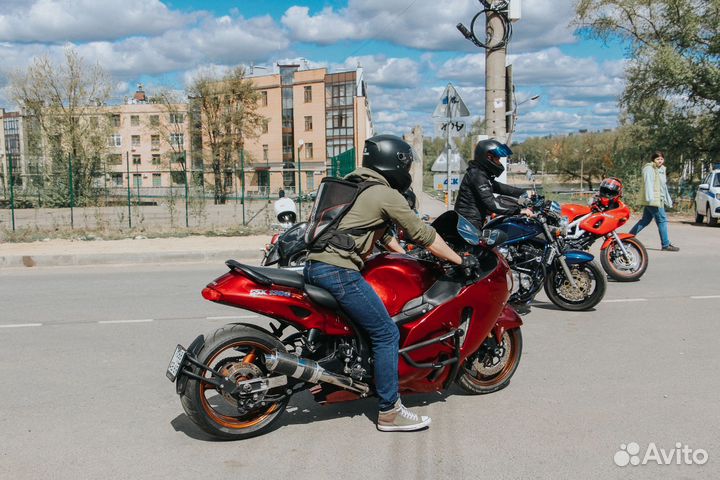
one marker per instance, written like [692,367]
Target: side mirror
[704,186]
[492,238]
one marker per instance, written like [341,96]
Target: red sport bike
[455,327]
[622,255]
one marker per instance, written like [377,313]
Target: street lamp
[299,183]
[514,113]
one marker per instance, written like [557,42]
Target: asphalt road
[83,393]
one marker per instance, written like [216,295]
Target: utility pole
[495,94]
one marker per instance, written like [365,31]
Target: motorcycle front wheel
[493,366]
[237,352]
[621,269]
[591,285]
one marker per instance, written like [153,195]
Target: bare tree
[62,100]
[227,107]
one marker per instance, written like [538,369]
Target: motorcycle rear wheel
[236,351]
[617,268]
[489,372]
[558,289]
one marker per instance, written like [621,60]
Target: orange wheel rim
[226,420]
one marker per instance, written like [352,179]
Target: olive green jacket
[376,207]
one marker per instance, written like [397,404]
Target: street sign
[455,128]
[451,105]
[457,164]
[440,182]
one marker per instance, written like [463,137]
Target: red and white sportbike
[622,255]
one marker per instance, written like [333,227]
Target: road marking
[21,325]
[142,320]
[702,297]
[620,300]
[232,317]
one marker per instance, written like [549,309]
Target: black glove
[469,265]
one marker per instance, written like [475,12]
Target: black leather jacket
[475,198]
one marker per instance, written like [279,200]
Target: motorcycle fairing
[575,257]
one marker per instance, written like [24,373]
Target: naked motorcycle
[539,257]
[622,255]
[455,327]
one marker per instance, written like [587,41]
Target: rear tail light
[274,239]
[211,294]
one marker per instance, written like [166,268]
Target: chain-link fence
[149,200]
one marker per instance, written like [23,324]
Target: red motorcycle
[455,327]
[622,255]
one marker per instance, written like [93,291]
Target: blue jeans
[360,302]
[657,213]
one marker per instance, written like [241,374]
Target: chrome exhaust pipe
[310,371]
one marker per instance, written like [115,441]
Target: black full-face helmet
[490,163]
[391,157]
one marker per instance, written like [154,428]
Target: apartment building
[12,153]
[148,145]
[312,116]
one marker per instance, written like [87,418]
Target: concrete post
[495,104]
[415,139]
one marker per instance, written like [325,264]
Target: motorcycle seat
[322,297]
[269,275]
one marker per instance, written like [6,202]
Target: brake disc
[583,281]
[494,359]
[237,372]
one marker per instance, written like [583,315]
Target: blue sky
[409,50]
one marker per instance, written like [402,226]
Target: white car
[707,199]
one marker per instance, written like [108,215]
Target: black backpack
[334,200]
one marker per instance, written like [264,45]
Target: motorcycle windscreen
[455,229]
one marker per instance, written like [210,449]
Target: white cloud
[82,20]
[426,25]
[386,72]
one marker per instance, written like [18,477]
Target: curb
[61,260]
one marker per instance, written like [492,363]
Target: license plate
[175,363]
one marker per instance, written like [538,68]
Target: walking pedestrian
[654,198]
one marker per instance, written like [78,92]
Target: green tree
[672,95]
[227,107]
[60,101]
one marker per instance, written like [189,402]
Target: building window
[115,140]
[157,180]
[310,180]
[178,158]
[178,178]
[308,94]
[154,142]
[308,150]
[265,124]
[154,120]
[94,122]
[115,120]
[177,118]
[177,139]
[308,123]
[136,159]
[117,179]
[265,153]
[155,159]
[114,159]
[135,141]
[263,98]
[137,180]
[134,120]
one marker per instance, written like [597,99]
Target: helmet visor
[501,151]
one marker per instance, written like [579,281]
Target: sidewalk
[53,253]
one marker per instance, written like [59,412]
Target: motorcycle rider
[387,160]
[285,210]
[475,199]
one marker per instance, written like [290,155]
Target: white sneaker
[400,419]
